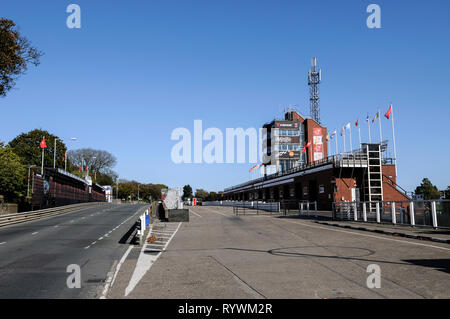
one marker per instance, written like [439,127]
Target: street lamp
[65,157]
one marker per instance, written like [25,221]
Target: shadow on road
[438,264]
[130,237]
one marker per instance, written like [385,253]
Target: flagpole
[351,144]
[345,149]
[337,150]
[42,165]
[359,133]
[393,138]
[379,121]
[65,161]
[54,155]
[368,125]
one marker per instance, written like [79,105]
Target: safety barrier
[273,207]
[143,224]
[11,219]
[428,213]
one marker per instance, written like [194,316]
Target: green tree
[27,147]
[428,190]
[201,193]
[187,192]
[16,53]
[11,173]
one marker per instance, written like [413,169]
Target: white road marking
[3,243]
[365,235]
[34,233]
[145,262]
[87,247]
[195,213]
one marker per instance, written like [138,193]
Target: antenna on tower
[314,78]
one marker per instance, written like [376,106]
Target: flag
[333,134]
[87,168]
[328,137]
[95,175]
[389,112]
[356,124]
[43,144]
[376,116]
[64,157]
[262,164]
[251,169]
[347,126]
[79,167]
[367,118]
[342,131]
[306,146]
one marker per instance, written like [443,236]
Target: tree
[447,193]
[26,146]
[428,190]
[11,173]
[106,179]
[98,161]
[187,192]
[201,193]
[16,53]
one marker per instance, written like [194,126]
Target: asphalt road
[219,255]
[34,256]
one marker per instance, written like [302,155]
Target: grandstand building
[361,175]
[58,187]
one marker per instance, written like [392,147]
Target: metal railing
[427,213]
[256,206]
[11,219]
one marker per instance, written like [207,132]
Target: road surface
[219,255]
[34,256]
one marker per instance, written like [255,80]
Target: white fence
[257,205]
[432,213]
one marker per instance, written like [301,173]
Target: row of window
[278,132]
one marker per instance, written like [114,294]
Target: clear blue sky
[136,70]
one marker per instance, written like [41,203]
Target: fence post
[340,210]
[307,209]
[411,213]
[347,204]
[393,216]
[355,211]
[315,208]
[364,212]
[377,208]
[279,207]
[433,214]
[300,208]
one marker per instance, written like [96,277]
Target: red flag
[79,167]
[95,175]
[356,124]
[306,146]
[87,167]
[64,157]
[43,144]
[388,113]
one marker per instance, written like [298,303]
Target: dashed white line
[3,243]
[34,233]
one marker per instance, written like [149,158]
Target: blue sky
[136,70]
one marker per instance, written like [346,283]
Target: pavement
[441,235]
[219,255]
[34,256]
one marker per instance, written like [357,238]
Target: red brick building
[363,175]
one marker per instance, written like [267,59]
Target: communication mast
[314,78]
